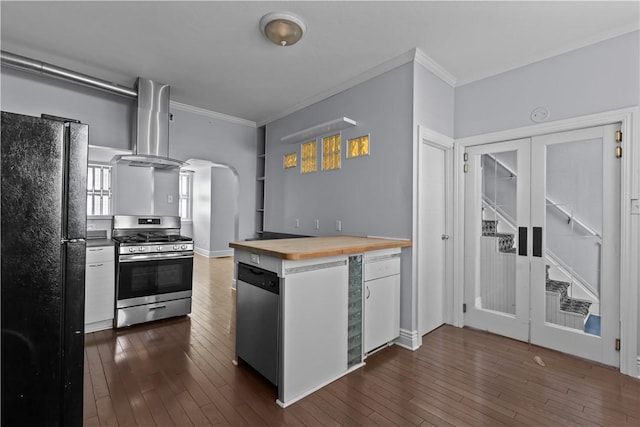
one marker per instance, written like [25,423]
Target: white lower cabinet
[314,328]
[99,288]
[381,289]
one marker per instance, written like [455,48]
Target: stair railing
[550,202]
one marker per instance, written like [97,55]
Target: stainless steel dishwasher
[258,319]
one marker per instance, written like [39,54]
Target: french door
[542,224]
[497,203]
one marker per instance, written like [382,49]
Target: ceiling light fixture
[282,28]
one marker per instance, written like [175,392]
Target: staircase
[497,269]
[505,240]
[561,309]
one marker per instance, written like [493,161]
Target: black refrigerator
[44,178]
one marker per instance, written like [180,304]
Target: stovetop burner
[151,238]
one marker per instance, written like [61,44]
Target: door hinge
[618,152]
[617,344]
[618,136]
[464,308]
[465,167]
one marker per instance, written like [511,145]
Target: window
[331,152]
[290,160]
[309,157]
[98,189]
[186,191]
[358,146]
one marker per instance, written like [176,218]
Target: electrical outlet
[297,222]
[635,206]
[255,258]
[338,225]
[317,224]
[169,198]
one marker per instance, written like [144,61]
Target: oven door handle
[154,257]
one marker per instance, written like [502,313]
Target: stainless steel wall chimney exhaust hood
[151,128]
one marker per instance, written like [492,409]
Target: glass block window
[358,146]
[186,192]
[309,157]
[331,152]
[290,160]
[98,189]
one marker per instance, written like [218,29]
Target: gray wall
[224,205]
[433,102]
[371,195]
[596,78]
[194,136]
[109,116]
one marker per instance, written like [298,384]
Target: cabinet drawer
[100,253]
[382,267]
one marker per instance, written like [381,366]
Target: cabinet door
[382,311]
[99,291]
[314,334]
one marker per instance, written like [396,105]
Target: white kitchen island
[322,304]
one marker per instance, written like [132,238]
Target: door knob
[445,237]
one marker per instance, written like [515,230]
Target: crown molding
[421,58]
[212,114]
[360,78]
[413,55]
[569,47]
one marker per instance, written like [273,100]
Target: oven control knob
[158,248]
[183,247]
[132,249]
[176,247]
[141,249]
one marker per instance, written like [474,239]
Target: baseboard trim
[98,326]
[213,254]
[408,340]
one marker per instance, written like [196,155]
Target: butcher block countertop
[318,247]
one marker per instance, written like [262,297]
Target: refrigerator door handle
[63,241]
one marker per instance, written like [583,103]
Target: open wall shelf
[312,132]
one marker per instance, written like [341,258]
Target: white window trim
[111,195]
[189,197]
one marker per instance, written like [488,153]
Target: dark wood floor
[179,372]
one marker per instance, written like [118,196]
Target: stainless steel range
[154,269]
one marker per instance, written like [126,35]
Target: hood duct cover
[151,128]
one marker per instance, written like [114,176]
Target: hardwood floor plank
[157,408]
[178,372]
[215,417]
[193,411]
[173,407]
[106,414]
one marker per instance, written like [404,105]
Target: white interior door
[575,269]
[496,273]
[432,236]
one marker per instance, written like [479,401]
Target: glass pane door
[496,206]
[575,275]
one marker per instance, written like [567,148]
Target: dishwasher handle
[267,280]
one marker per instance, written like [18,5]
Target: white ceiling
[214,57]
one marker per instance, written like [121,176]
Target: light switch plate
[635,206]
[255,258]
